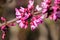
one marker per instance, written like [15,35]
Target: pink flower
[35,21]
[22,9]
[24,14]
[2,27]
[3,35]
[3,31]
[56,11]
[18,14]
[45,6]
[47,1]
[53,17]
[30,5]
[33,27]
[3,19]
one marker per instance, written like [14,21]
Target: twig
[13,20]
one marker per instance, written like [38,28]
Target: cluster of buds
[4,27]
[56,10]
[24,14]
[53,12]
[30,4]
[45,5]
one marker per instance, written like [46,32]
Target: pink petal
[35,23]
[3,35]
[30,5]
[33,27]
[18,17]
[38,8]
[21,24]
[54,17]
[3,19]
[31,2]
[25,26]
[22,9]
[17,12]
[18,21]
[2,27]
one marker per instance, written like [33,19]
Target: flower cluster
[53,12]
[56,10]
[4,28]
[24,14]
[45,5]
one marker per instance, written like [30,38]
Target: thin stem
[13,20]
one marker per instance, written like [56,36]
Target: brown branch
[13,20]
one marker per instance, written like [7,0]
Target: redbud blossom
[3,31]
[3,19]
[30,4]
[35,21]
[3,35]
[24,14]
[45,5]
[53,17]
[56,13]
